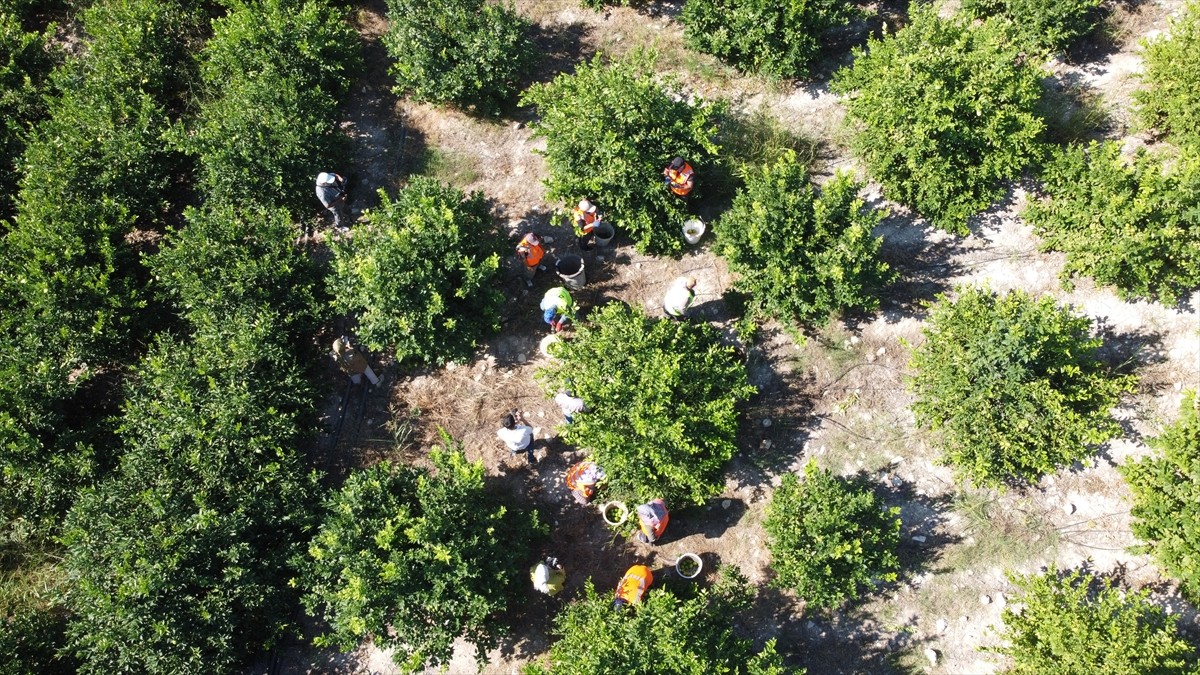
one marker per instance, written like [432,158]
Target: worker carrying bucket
[652,520]
[633,586]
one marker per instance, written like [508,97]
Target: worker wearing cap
[633,586]
[679,177]
[530,251]
[679,297]
[352,362]
[557,308]
[585,220]
[582,480]
[331,191]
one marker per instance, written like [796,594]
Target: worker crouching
[652,520]
[632,587]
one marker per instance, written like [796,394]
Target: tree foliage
[273,71]
[1044,25]
[1134,225]
[800,255]
[943,114]
[667,634]
[829,538]
[1171,73]
[422,274]
[472,53]
[25,65]
[415,560]
[1076,623]
[662,401]
[768,37]
[179,559]
[1166,499]
[1012,385]
[610,130]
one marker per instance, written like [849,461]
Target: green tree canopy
[415,560]
[797,254]
[662,401]
[421,275]
[667,634]
[1012,386]
[1171,73]
[610,130]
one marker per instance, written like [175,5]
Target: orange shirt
[530,253]
[682,180]
[585,221]
[633,585]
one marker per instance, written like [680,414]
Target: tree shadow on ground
[923,520]
[923,259]
[1128,351]
[559,49]
[711,520]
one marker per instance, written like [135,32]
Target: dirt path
[838,397]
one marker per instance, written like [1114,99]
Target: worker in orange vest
[530,251]
[632,586]
[679,177]
[585,219]
[652,520]
[582,480]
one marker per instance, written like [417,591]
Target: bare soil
[838,396]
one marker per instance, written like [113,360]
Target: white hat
[532,238]
[689,282]
[326,179]
[585,205]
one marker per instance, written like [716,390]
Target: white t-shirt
[569,404]
[516,438]
[678,299]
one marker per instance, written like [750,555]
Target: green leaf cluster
[776,38]
[610,130]
[72,288]
[829,537]
[272,73]
[1171,73]
[662,401]
[797,254]
[1012,385]
[472,53]
[415,560]
[1043,25]
[1133,225]
[421,275]
[943,112]
[1076,623]
[1166,498]
[25,65]
[178,559]
[668,634]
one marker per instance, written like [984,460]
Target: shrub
[943,113]
[662,402]
[30,640]
[1012,385]
[667,634]
[800,256]
[1125,224]
[1044,25]
[237,261]
[828,537]
[415,561]
[273,69]
[179,559]
[24,66]
[422,274]
[1166,499]
[776,39]
[609,132]
[471,53]
[1171,73]
[1077,624]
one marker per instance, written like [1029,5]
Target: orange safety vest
[530,253]
[680,179]
[633,585]
[573,484]
[584,221]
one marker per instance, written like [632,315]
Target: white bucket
[547,344]
[691,559]
[621,510]
[693,230]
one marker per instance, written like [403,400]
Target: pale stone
[941,626]
[985,600]
[932,655]
[725,503]
[767,422]
[920,539]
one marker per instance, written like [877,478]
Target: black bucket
[570,270]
